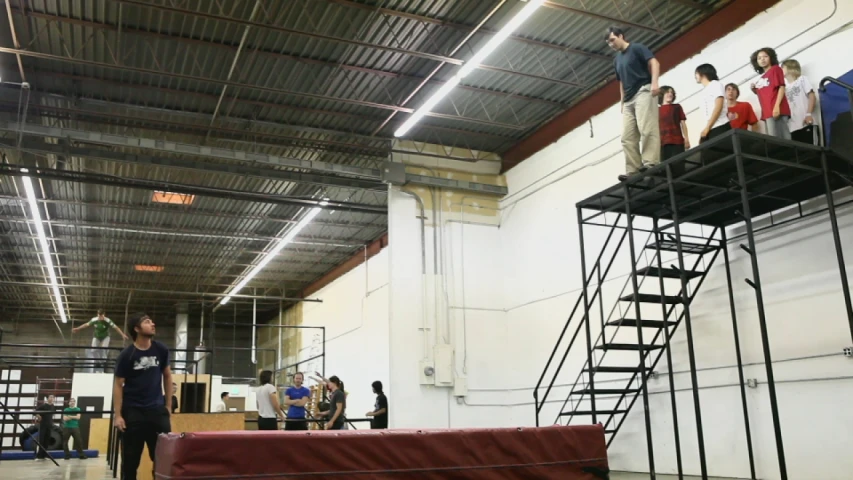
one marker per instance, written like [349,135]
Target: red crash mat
[557,452]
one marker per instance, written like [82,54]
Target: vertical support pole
[640,346]
[836,237]
[666,332]
[738,355]
[585,319]
[691,353]
[762,319]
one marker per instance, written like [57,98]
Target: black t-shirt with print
[142,371]
[380,421]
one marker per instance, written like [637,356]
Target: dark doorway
[88,403]
[193,397]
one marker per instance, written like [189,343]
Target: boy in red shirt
[741,115]
[673,125]
[770,89]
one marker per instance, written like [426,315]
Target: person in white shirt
[269,408]
[801,98]
[713,101]
[220,406]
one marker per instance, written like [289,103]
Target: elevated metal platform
[705,180]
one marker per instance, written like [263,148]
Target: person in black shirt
[142,374]
[380,408]
[45,410]
[637,71]
[337,404]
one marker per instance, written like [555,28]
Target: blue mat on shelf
[56,454]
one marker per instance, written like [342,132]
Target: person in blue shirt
[142,374]
[296,397]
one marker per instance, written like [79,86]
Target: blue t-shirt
[296,394]
[142,371]
[632,68]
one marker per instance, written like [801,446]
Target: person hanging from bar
[100,340]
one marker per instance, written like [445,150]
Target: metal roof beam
[231,155]
[606,18]
[312,61]
[195,165]
[159,291]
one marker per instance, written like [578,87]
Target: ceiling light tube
[470,65]
[291,234]
[45,247]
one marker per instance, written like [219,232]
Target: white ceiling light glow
[291,234]
[470,65]
[45,247]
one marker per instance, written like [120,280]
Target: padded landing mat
[548,453]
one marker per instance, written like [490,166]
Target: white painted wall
[355,313]
[93,385]
[802,292]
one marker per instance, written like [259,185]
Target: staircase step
[686,247]
[601,369]
[606,391]
[667,272]
[632,322]
[653,298]
[598,412]
[627,347]
[609,431]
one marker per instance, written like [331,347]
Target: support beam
[164,292]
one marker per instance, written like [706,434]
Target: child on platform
[801,99]
[741,115]
[673,125]
[770,88]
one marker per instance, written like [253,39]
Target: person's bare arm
[334,418]
[654,68]
[777,108]
[118,400]
[276,405]
[685,134]
[81,327]
[621,97]
[287,401]
[120,331]
[301,402]
[812,100]
[167,387]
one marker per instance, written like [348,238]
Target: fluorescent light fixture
[45,247]
[291,234]
[470,65]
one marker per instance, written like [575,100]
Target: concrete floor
[96,469]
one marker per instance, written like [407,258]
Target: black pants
[669,151]
[267,423]
[707,155]
[804,135]
[44,438]
[78,441]
[144,425]
[296,424]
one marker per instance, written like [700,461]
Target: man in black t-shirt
[380,408]
[142,374]
[45,410]
[637,70]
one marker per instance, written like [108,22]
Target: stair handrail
[600,335]
[536,402]
[825,80]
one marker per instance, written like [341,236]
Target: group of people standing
[297,398]
[70,427]
[654,127]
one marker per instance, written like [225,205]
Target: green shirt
[102,327]
[71,423]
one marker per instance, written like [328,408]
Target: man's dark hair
[101,311]
[663,91]
[708,71]
[615,31]
[733,85]
[377,386]
[266,377]
[753,59]
[299,373]
[223,395]
[133,321]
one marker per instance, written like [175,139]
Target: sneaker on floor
[82,457]
[68,457]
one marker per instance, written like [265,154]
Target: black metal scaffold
[684,205]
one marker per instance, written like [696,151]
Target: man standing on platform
[296,397]
[637,70]
[102,326]
[71,429]
[142,375]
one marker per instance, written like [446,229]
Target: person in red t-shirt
[673,125]
[741,115]
[770,89]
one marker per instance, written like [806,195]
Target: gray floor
[96,469]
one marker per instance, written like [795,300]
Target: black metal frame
[732,179]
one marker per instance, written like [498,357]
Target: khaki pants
[640,127]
